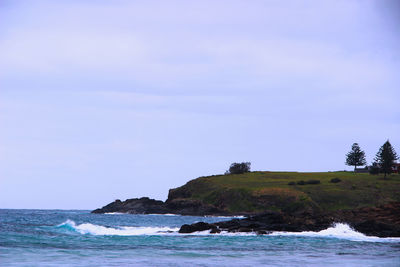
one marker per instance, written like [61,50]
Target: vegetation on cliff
[255,192]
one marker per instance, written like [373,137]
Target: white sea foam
[166,214]
[93,229]
[341,231]
[223,233]
[226,217]
[155,214]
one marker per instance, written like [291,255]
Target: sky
[104,100]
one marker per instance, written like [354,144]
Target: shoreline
[281,201]
[337,230]
[380,221]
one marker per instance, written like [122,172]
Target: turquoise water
[78,238]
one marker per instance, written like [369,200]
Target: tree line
[383,162]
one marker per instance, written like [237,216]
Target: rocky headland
[281,202]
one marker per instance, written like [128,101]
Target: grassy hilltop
[254,192]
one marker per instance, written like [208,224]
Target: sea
[79,238]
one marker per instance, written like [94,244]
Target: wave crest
[93,229]
[340,231]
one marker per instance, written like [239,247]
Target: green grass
[258,191]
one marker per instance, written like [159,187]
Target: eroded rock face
[381,221]
[196,227]
[142,205]
[265,223]
[192,207]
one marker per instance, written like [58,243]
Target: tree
[386,158]
[238,168]
[356,157]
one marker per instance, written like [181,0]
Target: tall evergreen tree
[386,157]
[356,157]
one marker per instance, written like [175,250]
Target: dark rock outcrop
[194,207]
[142,205]
[146,205]
[265,223]
[195,227]
[381,221]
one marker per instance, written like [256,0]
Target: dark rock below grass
[381,221]
[265,223]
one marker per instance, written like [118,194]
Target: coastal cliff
[294,201]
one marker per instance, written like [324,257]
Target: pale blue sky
[119,99]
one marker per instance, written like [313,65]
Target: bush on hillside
[301,182]
[238,168]
[374,169]
[335,180]
[313,182]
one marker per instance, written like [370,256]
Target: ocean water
[78,238]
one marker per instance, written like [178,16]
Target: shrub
[308,182]
[238,168]
[335,180]
[313,182]
[374,169]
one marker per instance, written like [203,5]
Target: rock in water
[381,221]
[142,205]
[264,224]
[196,227]
[146,205]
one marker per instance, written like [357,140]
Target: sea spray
[93,229]
[339,231]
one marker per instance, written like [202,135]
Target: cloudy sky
[119,99]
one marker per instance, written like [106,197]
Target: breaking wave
[93,229]
[340,231]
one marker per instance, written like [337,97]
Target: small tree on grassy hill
[238,168]
[356,157]
[386,158]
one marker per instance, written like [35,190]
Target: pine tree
[356,157]
[386,157]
